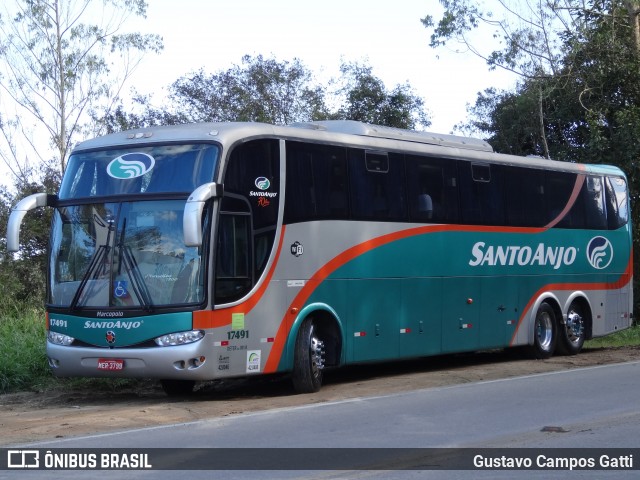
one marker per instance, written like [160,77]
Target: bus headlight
[60,338]
[179,338]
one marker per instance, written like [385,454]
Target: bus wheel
[308,359]
[573,332]
[544,332]
[174,388]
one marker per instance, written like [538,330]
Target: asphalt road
[597,407]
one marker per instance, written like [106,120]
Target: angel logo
[110,337]
[262,183]
[130,165]
[599,252]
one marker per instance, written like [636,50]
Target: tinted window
[376,194]
[525,197]
[559,187]
[617,202]
[481,194]
[158,169]
[594,207]
[432,189]
[316,182]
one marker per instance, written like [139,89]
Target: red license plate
[110,364]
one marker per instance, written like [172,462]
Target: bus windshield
[121,244]
[123,255]
[142,170]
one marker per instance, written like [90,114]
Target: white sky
[215,34]
[386,34]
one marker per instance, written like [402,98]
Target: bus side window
[595,212]
[431,189]
[616,198]
[377,185]
[481,192]
[558,189]
[525,197]
[233,276]
[316,183]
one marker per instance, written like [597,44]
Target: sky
[388,35]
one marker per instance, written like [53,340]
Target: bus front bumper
[181,362]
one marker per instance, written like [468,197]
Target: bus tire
[308,360]
[573,332]
[175,388]
[545,330]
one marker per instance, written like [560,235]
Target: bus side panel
[421,317]
[461,301]
[374,318]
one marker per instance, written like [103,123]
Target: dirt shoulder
[39,416]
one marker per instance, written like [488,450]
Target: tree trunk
[633,10]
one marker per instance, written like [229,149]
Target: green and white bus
[208,251]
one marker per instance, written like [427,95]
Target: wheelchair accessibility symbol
[120,289]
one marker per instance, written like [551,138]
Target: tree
[259,90]
[59,71]
[533,40]
[365,98]
[586,106]
[23,277]
[278,92]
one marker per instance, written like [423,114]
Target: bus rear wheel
[309,357]
[175,388]
[573,332]
[544,332]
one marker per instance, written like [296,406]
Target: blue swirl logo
[130,165]
[262,183]
[600,252]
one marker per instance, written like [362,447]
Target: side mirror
[18,213]
[192,219]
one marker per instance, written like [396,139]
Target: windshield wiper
[137,281]
[139,285]
[97,260]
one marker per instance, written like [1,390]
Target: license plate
[110,364]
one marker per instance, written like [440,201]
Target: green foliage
[278,92]
[57,61]
[624,338]
[366,99]
[23,276]
[259,90]
[581,103]
[23,362]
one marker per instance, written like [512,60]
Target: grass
[23,361]
[624,338]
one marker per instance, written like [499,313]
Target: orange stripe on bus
[354,252]
[623,280]
[219,318]
[577,188]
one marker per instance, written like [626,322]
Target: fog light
[60,338]
[179,338]
[196,362]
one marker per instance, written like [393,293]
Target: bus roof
[342,132]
